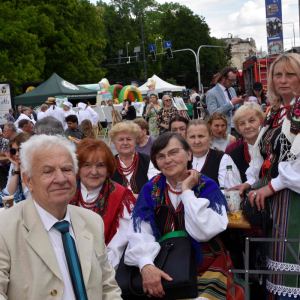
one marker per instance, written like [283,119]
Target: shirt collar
[222,87]
[204,156]
[292,102]
[178,186]
[90,193]
[48,219]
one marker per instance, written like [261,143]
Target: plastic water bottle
[233,197]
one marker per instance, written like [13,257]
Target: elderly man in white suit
[34,261]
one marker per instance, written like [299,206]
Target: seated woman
[133,169]
[96,191]
[218,124]
[247,121]
[201,210]
[145,140]
[15,185]
[210,162]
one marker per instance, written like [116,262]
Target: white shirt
[228,100]
[56,241]
[117,245]
[199,162]
[288,173]
[201,222]
[40,115]
[94,117]
[23,117]
[69,112]
[193,97]
[235,170]
[151,172]
[83,115]
[57,113]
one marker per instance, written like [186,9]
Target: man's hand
[152,281]
[237,100]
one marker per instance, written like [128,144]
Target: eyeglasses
[172,154]
[231,80]
[13,151]
[167,100]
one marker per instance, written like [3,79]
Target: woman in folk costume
[200,210]
[275,171]
[210,162]
[133,169]
[96,191]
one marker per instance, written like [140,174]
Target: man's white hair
[41,143]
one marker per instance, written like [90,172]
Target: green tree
[38,38]
[21,56]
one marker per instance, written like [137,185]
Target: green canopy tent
[54,86]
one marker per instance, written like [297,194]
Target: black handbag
[177,258]
[253,215]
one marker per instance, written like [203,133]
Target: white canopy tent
[161,86]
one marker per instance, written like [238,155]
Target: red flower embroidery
[297,112]
[157,192]
[156,178]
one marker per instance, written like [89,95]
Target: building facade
[241,49]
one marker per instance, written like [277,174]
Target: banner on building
[5,101]
[274,26]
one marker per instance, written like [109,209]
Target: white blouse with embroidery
[201,222]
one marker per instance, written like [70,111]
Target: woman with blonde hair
[275,173]
[133,169]
[166,114]
[218,124]
[151,114]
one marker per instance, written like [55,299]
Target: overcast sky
[243,18]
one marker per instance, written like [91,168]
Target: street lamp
[198,60]
[127,47]
[293,32]
[159,38]
[143,44]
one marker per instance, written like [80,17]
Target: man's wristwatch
[15,172]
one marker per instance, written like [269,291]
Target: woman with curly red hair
[97,192]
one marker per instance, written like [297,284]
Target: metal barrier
[247,272]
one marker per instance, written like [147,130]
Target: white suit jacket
[28,265]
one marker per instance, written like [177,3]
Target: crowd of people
[81,213]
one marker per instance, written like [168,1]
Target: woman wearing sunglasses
[15,185]
[166,114]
